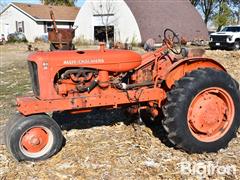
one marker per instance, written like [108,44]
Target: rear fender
[179,69]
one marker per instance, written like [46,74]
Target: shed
[138,20]
[153,16]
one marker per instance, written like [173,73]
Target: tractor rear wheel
[202,112]
[33,138]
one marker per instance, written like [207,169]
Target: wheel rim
[237,46]
[211,114]
[36,142]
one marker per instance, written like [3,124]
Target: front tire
[236,46]
[33,138]
[202,113]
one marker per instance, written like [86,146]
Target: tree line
[219,12]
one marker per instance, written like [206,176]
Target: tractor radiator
[34,77]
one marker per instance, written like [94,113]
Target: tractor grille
[34,77]
[219,38]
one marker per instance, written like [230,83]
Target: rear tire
[33,138]
[182,126]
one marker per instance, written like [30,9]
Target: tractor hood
[108,60]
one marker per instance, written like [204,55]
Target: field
[103,144]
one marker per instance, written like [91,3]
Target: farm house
[34,19]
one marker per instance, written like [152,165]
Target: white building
[138,20]
[34,19]
[96,14]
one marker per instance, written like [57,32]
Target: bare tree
[236,10]
[105,9]
[237,14]
[208,7]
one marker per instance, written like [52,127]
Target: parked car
[2,39]
[227,38]
[17,36]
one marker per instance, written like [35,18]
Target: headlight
[211,39]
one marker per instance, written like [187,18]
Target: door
[6,30]
[100,34]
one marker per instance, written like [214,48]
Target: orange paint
[34,140]
[179,69]
[108,98]
[211,114]
[103,78]
[57,93]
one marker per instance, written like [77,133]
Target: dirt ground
[102,144]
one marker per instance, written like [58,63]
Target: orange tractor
[198,98]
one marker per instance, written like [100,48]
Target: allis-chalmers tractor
[199,100]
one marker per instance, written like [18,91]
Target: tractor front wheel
[202,113]
[33,138]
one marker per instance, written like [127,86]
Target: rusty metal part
[133,109]
[110,97]
[144,75]
[62,36]
[172,41]
[79,111]
[103,79]
[79,75]
[60,39]
[54,21]
[89,87]
[124,86]
[211,114]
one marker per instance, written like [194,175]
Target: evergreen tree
[59,2]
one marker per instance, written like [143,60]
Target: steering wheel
[172,41]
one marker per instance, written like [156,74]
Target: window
[48,26]
[70,25]
[20,26]
[231,29]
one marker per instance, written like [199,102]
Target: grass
[14,77]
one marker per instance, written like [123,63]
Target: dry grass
[102,145]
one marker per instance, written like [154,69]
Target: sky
[79,2]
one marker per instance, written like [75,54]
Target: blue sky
[79,2]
